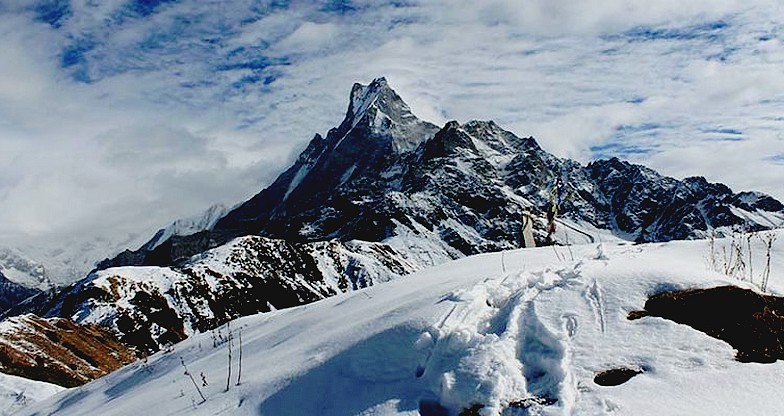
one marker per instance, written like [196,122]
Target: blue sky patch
[724,134]
[636,128]
[725,131]
[707,31]
[147,7]
[723,56]
[53,12]
[263,8]
[625,142]
[777,159]
[610,51]
[73,58]
[621,150]
[339,6]
[250,58]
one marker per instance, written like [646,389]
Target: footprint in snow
[570,324]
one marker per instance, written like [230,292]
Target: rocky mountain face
[382,195]
[59,351]
[384,175]
[149,307]
[648,207]
[12,293]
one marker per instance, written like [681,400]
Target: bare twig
[188,373]
[228,377]
[769,238]
[239,370]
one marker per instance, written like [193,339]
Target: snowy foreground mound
[514,333]
[17,392]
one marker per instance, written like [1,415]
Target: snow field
[520,332]
[18,392]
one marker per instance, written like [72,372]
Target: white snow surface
[61,262]
[491,329]
[18,392]
[22,270]
[190,225]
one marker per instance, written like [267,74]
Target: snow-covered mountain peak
[377,95]
[379,109]
[499,139]
[363,96]
[185,226]
[384,175]
[22,270]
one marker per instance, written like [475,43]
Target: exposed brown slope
[58,351]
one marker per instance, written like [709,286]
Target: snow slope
[18,392]
[190,225]
[511,333]
[150,307]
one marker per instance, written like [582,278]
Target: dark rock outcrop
[12,293]
[751,322]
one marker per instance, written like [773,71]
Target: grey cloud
[146,147]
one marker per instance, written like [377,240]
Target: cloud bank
[118,117]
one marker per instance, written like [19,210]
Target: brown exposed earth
[751,322]
[58,351]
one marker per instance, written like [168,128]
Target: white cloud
[201,103]
[309,37]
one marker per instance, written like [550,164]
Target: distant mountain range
[384,175]
[382,195]
[11,293]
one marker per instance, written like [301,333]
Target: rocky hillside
[646,206]
[150,307]
[59,351]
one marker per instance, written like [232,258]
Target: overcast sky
[119,116]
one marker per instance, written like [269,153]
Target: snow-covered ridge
[384,175]
[18,392]
[512,333]
[150,307]
[190,225]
